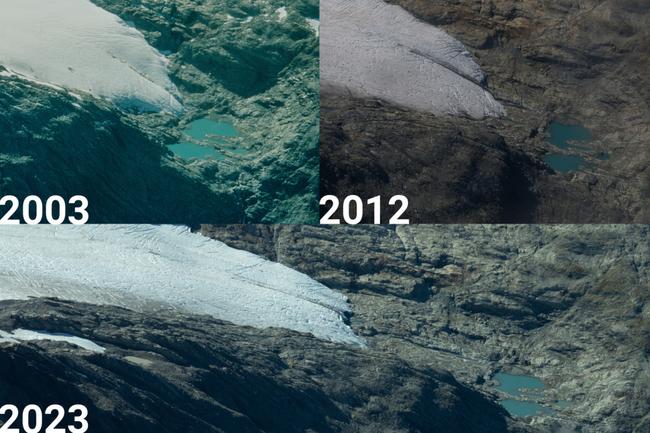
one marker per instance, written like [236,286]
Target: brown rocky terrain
[576,62]
[567,304]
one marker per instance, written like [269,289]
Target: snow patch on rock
[282,13]
[18,335]
[314,24]
[144,267]
[371,49]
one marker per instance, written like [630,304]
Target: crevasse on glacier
[373,49]
[145,268]
[77,45]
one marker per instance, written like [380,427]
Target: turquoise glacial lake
[187,150]
[201,137]
[568,137]
[208,128]
[518,385]
[562,135]
[527,392]
[525,408]
[564,163]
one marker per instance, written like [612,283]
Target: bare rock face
[567,304]
[569,61]
[450,170]
[178,373]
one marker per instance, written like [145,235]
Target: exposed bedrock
[567,304]
[450,171]
[240,60]
[179,373]
[569,61]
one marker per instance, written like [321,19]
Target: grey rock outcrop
[567,304]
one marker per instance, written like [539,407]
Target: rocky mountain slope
[53,144]
[248,62]
[567,304]
[177,373]
[243,62]
[576,62]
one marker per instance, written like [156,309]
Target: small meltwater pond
[562,135]
[569,138]
[203,135]
[525,408]
[211,130]
[564,163]
[518,386]
[527,392]
[187,150]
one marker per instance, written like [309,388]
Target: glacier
[77,45]
[372,49]
[166,268]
